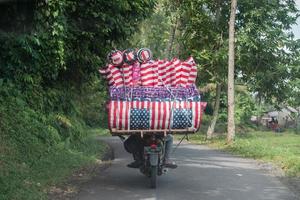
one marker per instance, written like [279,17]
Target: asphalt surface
[202,173]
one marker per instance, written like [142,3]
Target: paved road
[202,173]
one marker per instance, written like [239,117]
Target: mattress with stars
[155,114]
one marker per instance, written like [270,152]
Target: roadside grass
[99,132]
[282,149]
[23,181]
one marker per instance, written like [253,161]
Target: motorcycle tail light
[153,146]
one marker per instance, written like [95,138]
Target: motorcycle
[150,149]
[154,159]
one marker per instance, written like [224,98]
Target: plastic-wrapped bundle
[165,73]
[193,71]
[154,114]
[173,76]
[161,70]
[149,73]
[182,74]
[126,71]
[108,76]
[116,75]
[136,74]
[166,78]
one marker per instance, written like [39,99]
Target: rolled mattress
[155,114]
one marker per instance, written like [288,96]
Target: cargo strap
[185,136]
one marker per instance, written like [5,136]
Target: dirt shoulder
[68,189]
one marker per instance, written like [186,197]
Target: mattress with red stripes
[153,114]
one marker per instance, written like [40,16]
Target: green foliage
[39,148]
[204,36]
[18,180]
[281,149]
[264,44]
[69,40]
[54,64]
[18,55]
[244,107]
[32,132]
[294,89]
[36,148]
[49,91]
[153,33]
[93,103]
[267,52]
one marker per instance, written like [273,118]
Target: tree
[231,124]
[69,39]
[204,36]
[211,128]
[172,9]
[264,44]
[267,53]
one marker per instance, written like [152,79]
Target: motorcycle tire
[153,177]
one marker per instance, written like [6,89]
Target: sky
[296,28]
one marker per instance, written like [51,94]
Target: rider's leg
[168,149]
[134,145]
[169,144]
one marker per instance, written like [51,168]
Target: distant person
[274,125]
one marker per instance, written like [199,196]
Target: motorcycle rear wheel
[153,176]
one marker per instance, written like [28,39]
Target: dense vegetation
[49,89]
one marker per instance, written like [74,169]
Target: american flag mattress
[153,114]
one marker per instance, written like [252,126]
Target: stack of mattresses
[153,96]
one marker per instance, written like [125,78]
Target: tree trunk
[178,35]
[260,113]
[231,124]
[211,128]
[171,40]
[218,12]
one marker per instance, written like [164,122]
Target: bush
[33,143]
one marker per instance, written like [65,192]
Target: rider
[135,144]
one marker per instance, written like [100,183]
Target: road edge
[71,186]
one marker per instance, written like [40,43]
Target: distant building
[284,116]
